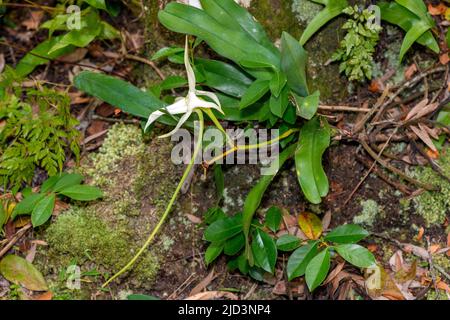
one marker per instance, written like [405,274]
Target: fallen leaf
[203,284]
[33,22]
[44,296]
[2,62]
[211,295]
[372,247]
[420,234]
[443,286]
[424,136]
[193,219]
[448,243]
[19,271]
[310,224]
[334,273]
[74,56]
[444,58]
[437,10]
[21,221]
[410,71]
[418,251]
[434,248]
[432,154]
[326,221]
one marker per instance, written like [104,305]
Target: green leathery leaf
[213,251]
[234,245]
[82,192]
[4,216]
[307,106]
[411,36]
[229,43]
[27,205]
[314,140]
[40,55]
[278,105]
[104,5]
[288,242]
[121,94]
[224,229]
[332,9]
[356,255]
[300,258]
[417,7]
[224,77]
[235,17]
[396,14]
[43,210]
[293,64]
[254,197]
[255,92]
[21,272]
[67,180]
[273,218]
[264,251]
[317,269]
[348,233]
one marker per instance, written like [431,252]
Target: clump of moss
[79,235]
[370,212]
[434,206]
[122,141]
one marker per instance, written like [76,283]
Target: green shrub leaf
[299,260]
[348,233]
[43,210]
[264,251]
[356,255]
[82,192]
[27,205]
[293,64]
[273,218]
[234,245]
[224,229]
[67,180]
[214,250]
[288,242]
[317,270]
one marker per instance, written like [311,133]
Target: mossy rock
[137,180]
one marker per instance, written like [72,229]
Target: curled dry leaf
[212,295]
[193,219]
[444,58]
[410,71]
[425,137]
[437,10]
[203,284]
[33,22]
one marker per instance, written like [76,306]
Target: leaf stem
[169,207]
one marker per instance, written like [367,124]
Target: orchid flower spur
[187,104]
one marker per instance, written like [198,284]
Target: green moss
[370,212]
[305,10]
[81,236]
[434,207]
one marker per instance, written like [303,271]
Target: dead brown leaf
[420,234]
[437,10]
[334,273]
[444,58]
[212,295]
[75,56]
[434,248]
[203,284]
[326,220]
[2,62]
[43,296]
[410,71]
[193,219]
[425,137]
[33,22]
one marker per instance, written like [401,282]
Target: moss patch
[434,207]
[370,213]
[137,180]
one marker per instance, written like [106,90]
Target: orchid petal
[182,120]
[179,106]
[152,118]
[196,102]
[210,95]
[189,70]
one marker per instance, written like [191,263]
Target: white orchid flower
[187,104]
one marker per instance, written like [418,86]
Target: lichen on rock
[434,206]
[371,211]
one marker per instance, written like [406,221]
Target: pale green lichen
[434,206]
[370,212]
[305,10]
